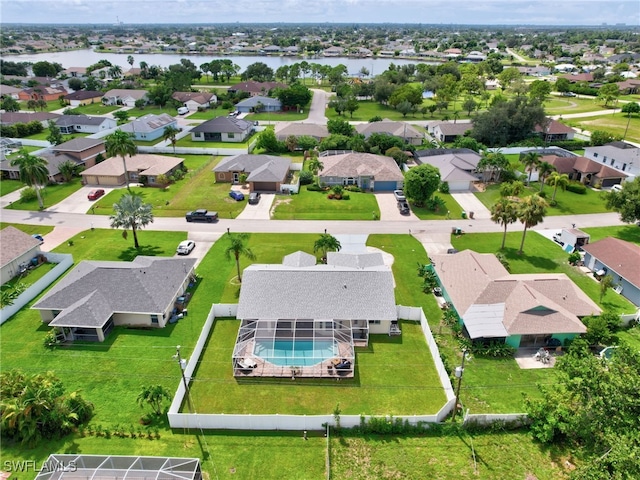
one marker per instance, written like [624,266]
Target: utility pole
[183,365]
[458,373]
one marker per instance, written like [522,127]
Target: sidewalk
[9,198]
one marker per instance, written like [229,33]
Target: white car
[183,111]
[399,194]
[185,247]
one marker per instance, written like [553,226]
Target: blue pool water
[298,353]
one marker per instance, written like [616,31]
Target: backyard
[96,108]
[310,205]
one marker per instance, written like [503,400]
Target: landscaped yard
[568,203]
[51,194]
[152,109]
[187,142]
[630,233]
[45,133]
[558,105]
[615,124]
[316,206]
[279,116]
[30,229]
[197,190]
[97,109]
[8,186]
[451,206]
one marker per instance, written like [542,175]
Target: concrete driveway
[77,202]
[204,241]
[389,208]
[470,203]
[260,211]
[434,243]
[318,107]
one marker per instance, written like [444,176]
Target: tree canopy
[131,213]
[626,201]
[421,182]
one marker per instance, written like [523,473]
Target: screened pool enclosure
[296,348]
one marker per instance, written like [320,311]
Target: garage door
[610,182]
[379,186]
[264,186]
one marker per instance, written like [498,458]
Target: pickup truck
[201,215]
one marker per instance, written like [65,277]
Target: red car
[95,194]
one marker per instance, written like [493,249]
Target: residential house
[11,118]
[447,132]
[254,88]
[621,260]
[16,249]
[353,298]
[365,170]
[143,168]
[458,166]
[222,129]
[7,91]
[578,77]
[124,97]
[76,72]
[258,103]
[586,171]
[99,295]
[400,130]
[619,155]
[271,49]
[265,173]
[333,51]
[42,92]
[195,101]
[283,130]
[554,131]
[522,310]
[83,97]
[149,127]
[70,124]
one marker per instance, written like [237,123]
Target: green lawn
[630,233]
[568,203]
[451,206]
[30,229]
[207,114]
[279,116]
[136,112]
[45,133]
[51,194]
[316,206]
[8,186]
[187,142]
[51,106]
[97,109]
[558,105]
[615,124]
[630,336]
[197,190]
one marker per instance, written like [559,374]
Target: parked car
[399,194]
[616,188]
[38,237]
[201,215]
[183,110]
[254,198]
[568,94]
[236,195]
[95,194]
[403,206]
[185,247]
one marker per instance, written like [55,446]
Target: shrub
[377,118]
[337,189]
[353,188]
[574,258]
[493,349]
[28,194]
[542,194]
[306,177]
[315,188]
[345,196]
[444,187]
[576,187]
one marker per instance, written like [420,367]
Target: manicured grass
[51,106]
[615,124]
[8,186]
[316,206]
[197,190]
[499,455]
[51,194]
[630,336]
[29,277]
[540,256]
[630,233]
[568,203]
[97,109]
[45,133]
[187,142]
[279,116]
[16,154]
[30,229]
[451,206]
[207,114]
[558,105]
[136,112]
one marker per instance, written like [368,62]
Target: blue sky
[506,12]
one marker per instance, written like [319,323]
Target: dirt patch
[279,201]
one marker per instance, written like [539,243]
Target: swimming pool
[298,353]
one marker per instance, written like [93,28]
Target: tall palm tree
[121,143]
[115,71]
[325,243]
[33,172]
[315,165]
[544,169]
[558,180]
[531,212]
[238,249]
[504,212]
[531,160]
[169,134]
[131,213]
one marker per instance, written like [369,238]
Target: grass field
[8,186]
[51,194]
[197,190]
[316,206]
[558,105]
[568,203]
[279,116]
[30,229]
[136,112]
[615,124]
[97,109]
[630,233]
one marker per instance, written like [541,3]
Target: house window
[374,322]
[604,159]
[230,135]
[613,160]
[151,179]
[198,134]
[595,155]
[624,167]
[154,319]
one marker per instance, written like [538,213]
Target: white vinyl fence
[208,421]
[63,260]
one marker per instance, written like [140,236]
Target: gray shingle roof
[83,95]
[361,260]
[78,144]
[70,120]
[224,125]
[357,164]
[396,129]
[93,289]
[266,101]
[284,129]
[148,123]
[620,256]
[260,168]
[14,243]
[299,259]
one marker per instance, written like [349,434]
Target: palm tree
[504,212]
[531,160]
[33,172]
[315,165]
[237,248]
[544,169]
[325,243]
[131,213]
[531,212]
[69,169]
[115,71]
[130,60]
[154,396]
[121,143]
[558,180]
[169,134]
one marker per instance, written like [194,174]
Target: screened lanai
[296,348]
